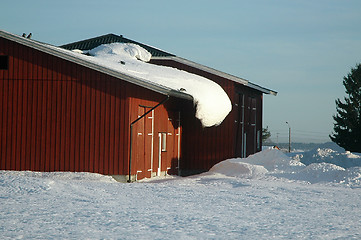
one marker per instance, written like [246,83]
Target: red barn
[60,112]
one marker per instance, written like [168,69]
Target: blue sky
[300,48]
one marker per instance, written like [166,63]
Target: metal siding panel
[29,130]
[112,97]
[78,118]
[2,162]
[31,68]
[82,120]
[11,60]
[84,154]
[58,85]
[49,137]
[49,98]
[107,110]
[126,135]
[43,150]
[72,107]
[14,117]
[101,126]
[52,122]
[4,127]
[117,132]
[123,141]
[17,141]
[10,126]
[10,107]
[92,127]
[37,122]
[25,105]
[66,122]
[97,129]
[62,109]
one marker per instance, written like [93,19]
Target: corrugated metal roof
[112,38]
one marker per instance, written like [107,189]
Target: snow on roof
[157,53]
[121,60]
[211,101]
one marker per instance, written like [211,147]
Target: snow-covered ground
[268,195]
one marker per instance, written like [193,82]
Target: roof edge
[84,40]
[205,68]
[61,53]
[262,89]
[242,81]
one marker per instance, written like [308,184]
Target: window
[164,142]
[259,137]
[4,62]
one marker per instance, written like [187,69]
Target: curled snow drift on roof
[212,102]
[125,50]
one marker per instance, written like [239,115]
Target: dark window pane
[4,62]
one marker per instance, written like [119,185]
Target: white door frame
[159,154]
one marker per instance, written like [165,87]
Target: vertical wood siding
[165,121]
[204,147]
[59,116]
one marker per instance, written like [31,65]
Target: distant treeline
[295,146]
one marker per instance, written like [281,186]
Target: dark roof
[112,38]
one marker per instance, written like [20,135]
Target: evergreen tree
[347,126]
[266,134]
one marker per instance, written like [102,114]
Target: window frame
[4,62]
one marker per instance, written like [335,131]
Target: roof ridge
[85,40]
[94,42]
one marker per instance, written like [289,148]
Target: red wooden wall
[204,147]
[56,115]
[60,116]
[164,120]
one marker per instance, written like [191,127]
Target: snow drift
[211,101]
[273,163]
[261,163]
[267,195]
[330,153]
